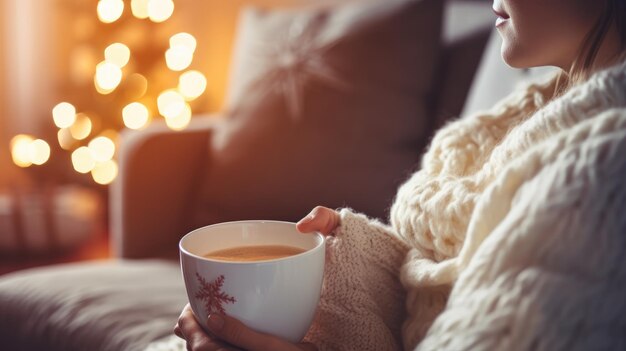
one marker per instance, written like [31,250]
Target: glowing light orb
[108,76]
[66,141]
[117,54]
[135,115]
[104,173]
[22,150]
[40,152]
[139,8]
[160,10]
[170,104]
[191,84]
[183,39]
[82,160]
[102,148]
[64,114]
[178,58]
[110,11]
[180,121]
[81,127]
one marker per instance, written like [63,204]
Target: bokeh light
[66,141]
[81,127]
[135,115]
[180,121]
[139,8]
[82,160]
[102,148]
[110,10]
[64,114]
[178,58]
[105,172]
[170,103]
[117,54]
[191,84]
[183,39]
[108,76]
[21,150]
[160,10]
[40,152]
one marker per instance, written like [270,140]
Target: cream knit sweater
[512,236]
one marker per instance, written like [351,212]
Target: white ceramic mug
[277,297]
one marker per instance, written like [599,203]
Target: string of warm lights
[93,152]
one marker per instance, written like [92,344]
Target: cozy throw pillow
[327,105]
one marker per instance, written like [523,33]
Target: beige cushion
[327,105]
[109,305]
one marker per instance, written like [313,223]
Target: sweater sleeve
[362,303]
[551,273]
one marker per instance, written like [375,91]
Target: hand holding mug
[229,334]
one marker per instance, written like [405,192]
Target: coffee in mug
[254,253]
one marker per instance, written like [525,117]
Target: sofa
[240,164]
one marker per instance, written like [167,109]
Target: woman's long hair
[614,14]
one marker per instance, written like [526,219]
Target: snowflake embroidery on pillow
[212,295]
[294,59]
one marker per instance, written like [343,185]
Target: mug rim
[310,251]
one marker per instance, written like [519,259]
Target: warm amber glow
[178,58]
[66,141]
[139,8]
[82,127]
[40,152]
[160,10]
[110,10]
[135,115]
[82,160]
[82,61]
[170,104]
[137,85]
[181,121]
[117,54]
[22,150]
[102,149]
[108,76]
[104,173]
[64,114]
[191,84]
[183,39]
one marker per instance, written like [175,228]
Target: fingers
[197,340]
[321,219]
[234,332]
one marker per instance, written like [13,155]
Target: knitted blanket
[512,236]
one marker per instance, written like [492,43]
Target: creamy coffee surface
[254,253]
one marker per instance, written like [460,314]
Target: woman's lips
[502,17]
[500,13]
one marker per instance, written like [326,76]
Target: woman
[512,235]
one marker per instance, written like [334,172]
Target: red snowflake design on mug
[212,295]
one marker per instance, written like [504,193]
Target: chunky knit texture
[514,233]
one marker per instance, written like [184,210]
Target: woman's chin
[513,58]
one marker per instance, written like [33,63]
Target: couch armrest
[159,170]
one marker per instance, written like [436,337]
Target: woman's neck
[610,50]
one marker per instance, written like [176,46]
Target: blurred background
[73,74]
